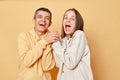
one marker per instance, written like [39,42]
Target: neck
[68,36]
[39,33]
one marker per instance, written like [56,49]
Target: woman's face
[69,23]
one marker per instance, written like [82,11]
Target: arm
[29,55]
[58,51]
[57,60]
[73,54]
[48,61]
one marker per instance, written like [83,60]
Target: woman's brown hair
[79,21]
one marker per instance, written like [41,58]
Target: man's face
[42,21]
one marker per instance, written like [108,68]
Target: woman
[72,54]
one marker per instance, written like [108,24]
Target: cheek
[73,25]
[36,21]
[63,23]
[47,20]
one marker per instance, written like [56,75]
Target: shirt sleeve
[48,61]
[29,55]
[58,49]
[72,55]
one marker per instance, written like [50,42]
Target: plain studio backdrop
[102,28]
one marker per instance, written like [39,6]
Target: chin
[67,33]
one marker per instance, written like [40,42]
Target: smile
[42,25]
[67,25]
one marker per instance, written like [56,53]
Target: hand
[52,37]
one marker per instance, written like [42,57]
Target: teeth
[41,24]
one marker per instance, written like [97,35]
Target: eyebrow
[41,15]
[67,15]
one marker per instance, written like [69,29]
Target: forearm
[29,54]
[71,55]
[33,54]
[48,61]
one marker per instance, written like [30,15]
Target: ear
[33,20]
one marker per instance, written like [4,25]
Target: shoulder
[23,35]
[79,33]
[27,33]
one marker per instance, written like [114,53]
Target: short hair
[79,21]
[43,9]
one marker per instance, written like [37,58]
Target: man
[34,47]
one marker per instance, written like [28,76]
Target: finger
[56,35]
[56,38]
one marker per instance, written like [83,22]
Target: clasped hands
[52,37]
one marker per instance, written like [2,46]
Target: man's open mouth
[42,25]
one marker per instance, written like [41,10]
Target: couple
[39,49]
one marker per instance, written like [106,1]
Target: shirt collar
[35,35]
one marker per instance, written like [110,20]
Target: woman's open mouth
[67,27]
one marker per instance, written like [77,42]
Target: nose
[43,19]
[68,20]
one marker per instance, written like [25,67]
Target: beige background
[102,25]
